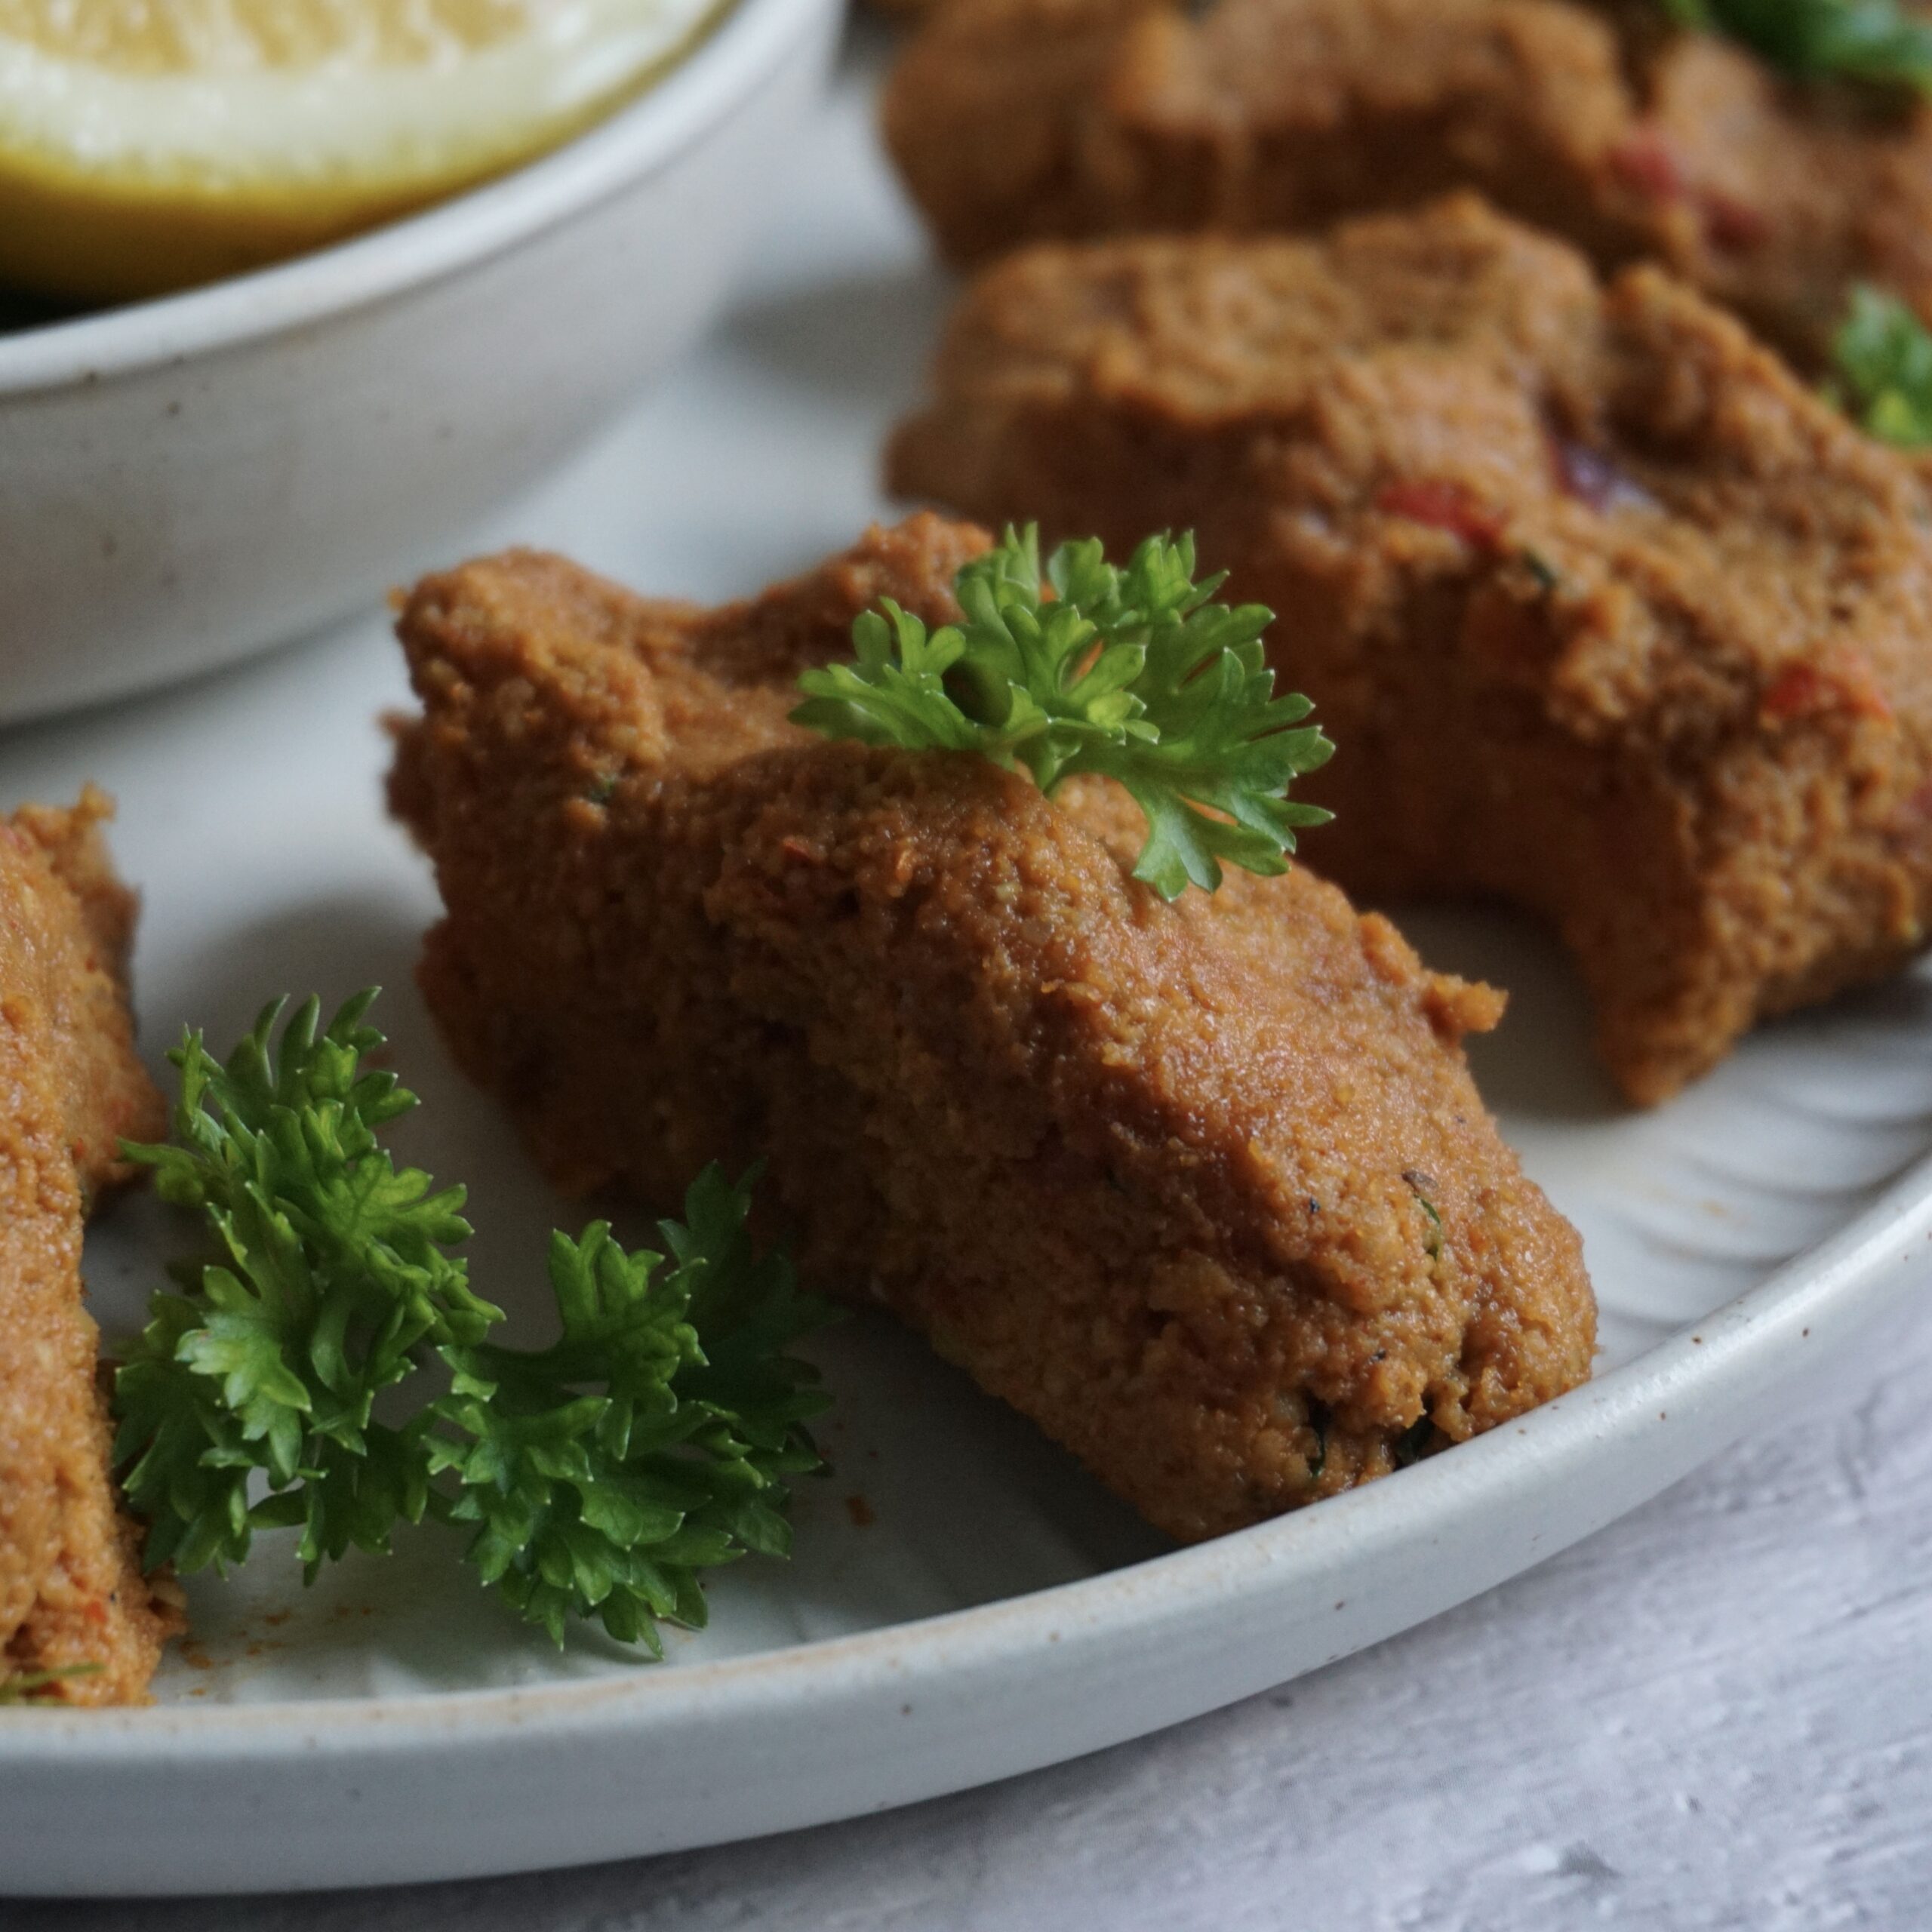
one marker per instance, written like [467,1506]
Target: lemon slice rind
[114,183]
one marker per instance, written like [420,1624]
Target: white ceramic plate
[982,1608]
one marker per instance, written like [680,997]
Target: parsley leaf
[1861,40]
[331,1268]
[603,1473]
[651,1440]
[1133,673]
[1884,360]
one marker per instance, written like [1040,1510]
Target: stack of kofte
[1017,121]
[1434,320]
[1614,617]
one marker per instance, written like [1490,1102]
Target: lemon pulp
[149,145]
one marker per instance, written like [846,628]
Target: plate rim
[1821,1294]
[314,1795]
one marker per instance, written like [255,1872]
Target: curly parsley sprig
[601,1474]
[1883,369]
[1861,40]
[651,1440]
[334,1269]
[1134,673]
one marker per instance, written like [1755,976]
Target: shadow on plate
[331,946]
[866,341]
[1540,1063]
[334,947]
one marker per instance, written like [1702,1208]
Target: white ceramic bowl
[185,481]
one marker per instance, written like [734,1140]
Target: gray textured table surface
[1718,1714]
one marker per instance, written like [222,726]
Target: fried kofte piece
[1015,120]
[1611,616]
[1204,1189]
[72,1598]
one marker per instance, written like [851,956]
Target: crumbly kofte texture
[72,1592]
[1608,615]
[1204,1189]
[1015,120]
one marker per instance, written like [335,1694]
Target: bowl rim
[741,43]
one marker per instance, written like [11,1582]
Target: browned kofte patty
[1015,120]
[72,1598]
[1608,615]
[1204,1188]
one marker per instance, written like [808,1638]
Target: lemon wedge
[149,145]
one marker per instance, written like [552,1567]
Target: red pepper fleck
[1798,690]
[795,847]
[1734,227]
[95,1611]
[1443,505]
[1648,163]
[1805,691]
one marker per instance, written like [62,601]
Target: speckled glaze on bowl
[185,481]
